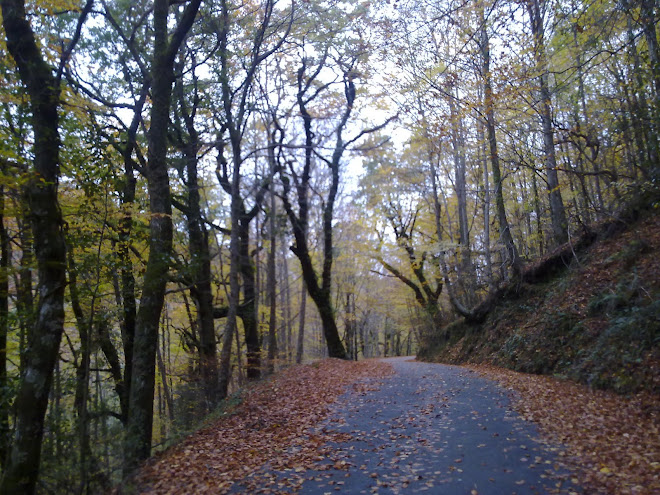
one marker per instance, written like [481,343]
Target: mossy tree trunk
[43,89]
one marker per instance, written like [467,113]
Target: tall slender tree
[42,83]
[271,28]
[137,445]
[200,276]
[536,10]
[513,258]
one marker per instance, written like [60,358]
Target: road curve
[434,429]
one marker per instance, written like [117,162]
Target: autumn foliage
[613,442]
[273,424]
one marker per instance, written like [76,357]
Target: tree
[505,231]
[269,34]
[198,238]
[43,87]
[141,396]
[536,12]
[320,293]
[411,252]
[5,257]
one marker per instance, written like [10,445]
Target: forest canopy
[196,193]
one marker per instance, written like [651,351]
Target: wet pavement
[431,428]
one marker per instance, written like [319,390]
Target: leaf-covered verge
[595,321]
[612,441]
[272,425]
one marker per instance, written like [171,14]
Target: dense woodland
[196,193]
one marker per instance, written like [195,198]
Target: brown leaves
[272,426]
[613,441]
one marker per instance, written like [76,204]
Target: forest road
[436,429]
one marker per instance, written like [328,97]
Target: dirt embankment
[595,320]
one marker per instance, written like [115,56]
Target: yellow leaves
[51,7]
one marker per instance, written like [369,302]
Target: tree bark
[488,255]
[466,272]
[557,211]
[5,257]
[248,310]
[137,445]
[649,21]
[648,9]
[127,289]
[43,88]
[285,345]
[646,141]
[300,347]
[271,276]
[234,283]
[82,373]
[513,259]
[25,290]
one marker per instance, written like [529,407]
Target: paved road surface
[434,429]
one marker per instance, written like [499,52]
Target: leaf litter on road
[611,440]
[272,425]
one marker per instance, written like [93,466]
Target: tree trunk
[349,338]
[649,21]
[485,207]
[538,212]
[466,273]
[513,259]
[557,211]
[200,261]
[82,374]
[235,208]
[43,88]
[285,304]
[300,348]
[234,284]
[5,257]
[271,281]
[248,310]
[127,288]
[162,370]
[137,445]
[640,111]
[24,289]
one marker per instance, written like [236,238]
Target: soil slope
[593,318]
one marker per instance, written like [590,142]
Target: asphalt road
[434,429]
